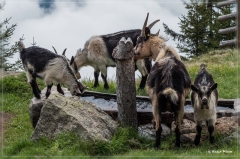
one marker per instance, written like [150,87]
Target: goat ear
[195,89]
[72,59]
[157,33]
[147,33]
[75,66]
[214,86]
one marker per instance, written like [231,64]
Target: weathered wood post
[126,90]
[238,25]
[230,29]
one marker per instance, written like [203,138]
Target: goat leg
[59,89]
[33,84]
[211,131]
[198,134]
[105,81]
[143,82]
[96,74]
[48,90]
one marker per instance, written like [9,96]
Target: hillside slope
[223,65]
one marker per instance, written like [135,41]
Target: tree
[193,40]
[199,29]
[6,51]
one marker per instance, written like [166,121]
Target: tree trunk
[126,90]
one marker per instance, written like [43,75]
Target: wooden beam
[227,30]
[228,43]
[224,3]
[227,16]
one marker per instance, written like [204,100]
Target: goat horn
[144,26]
[64,52]
[54,50]
[157,33]
[152,24]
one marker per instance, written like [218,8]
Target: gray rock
[36,105]
[149,132]
[35,110]
[226,125]
[187,126]
[230,138]
[70,114]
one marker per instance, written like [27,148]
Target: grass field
[16,95]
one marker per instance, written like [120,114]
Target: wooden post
[126,89]
[238,26]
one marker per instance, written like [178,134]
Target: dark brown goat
[168,83]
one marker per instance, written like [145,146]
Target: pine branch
[173,34]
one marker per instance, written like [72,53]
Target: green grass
[223,65]
[125,143]
[112,86]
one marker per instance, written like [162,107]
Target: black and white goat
[97,52]
[168,83]
[52,68]
[204,97]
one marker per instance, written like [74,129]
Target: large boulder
[70,114]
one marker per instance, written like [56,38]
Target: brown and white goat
[204,97]
[52,68]
[97,52]
[168,83]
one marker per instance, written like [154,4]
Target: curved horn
[64,52]
[54,50]
[153,23]
[144,26]
[157,33]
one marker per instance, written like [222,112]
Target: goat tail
[21,46]
[171,94]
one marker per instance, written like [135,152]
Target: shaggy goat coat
[97,52]
[168,83]
[204,97]
[52,68]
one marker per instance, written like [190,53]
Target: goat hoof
[156,147]
[94,86]
[177,145]
[212,140]
[106,87]
[196,141]
[38,96]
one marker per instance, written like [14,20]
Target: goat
[204,97]
[44,64]
[97,52]
[168,83]
[73,63]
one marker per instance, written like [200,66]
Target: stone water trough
[94,115]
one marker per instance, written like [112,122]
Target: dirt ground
[4,118]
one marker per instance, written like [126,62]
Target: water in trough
[141,105]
